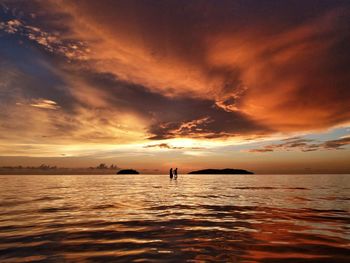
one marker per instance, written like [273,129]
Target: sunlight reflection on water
[236,218]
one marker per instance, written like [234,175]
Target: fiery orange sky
[260,85]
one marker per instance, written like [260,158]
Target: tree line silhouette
[49,167]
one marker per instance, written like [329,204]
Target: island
[221,171]
[128,171]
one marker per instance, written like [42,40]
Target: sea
[196,218]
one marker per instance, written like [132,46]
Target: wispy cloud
[51,42]
[337,144]
[163,146]
[45,104]
[304,145]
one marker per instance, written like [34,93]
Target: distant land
[54,170]
[128,171]
[221,171]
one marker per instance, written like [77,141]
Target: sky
[257,85]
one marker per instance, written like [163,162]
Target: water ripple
[195,219]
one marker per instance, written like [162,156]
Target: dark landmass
[128,171]
[54,170]
[221,171]
[57,171]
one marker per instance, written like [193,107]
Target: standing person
[175,173]
[171,173]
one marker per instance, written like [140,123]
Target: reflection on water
[231,218]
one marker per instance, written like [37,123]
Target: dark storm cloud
[171,117]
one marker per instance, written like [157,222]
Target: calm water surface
[135,218]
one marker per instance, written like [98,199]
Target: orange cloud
[291,78]
[190,70]
[288,80]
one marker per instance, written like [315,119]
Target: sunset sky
[257,85]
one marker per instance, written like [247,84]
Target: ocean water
[196,218]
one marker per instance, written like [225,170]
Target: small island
[221,171]
[128,171]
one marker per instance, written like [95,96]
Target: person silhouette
[171,173]
[175,173]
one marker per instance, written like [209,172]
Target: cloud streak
[45,104]
[304,145]
[163,146]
